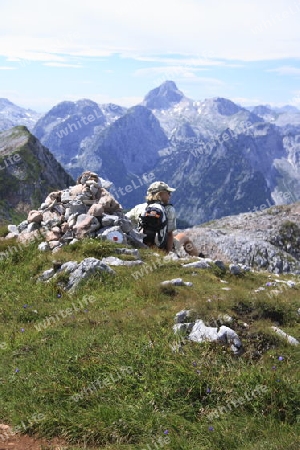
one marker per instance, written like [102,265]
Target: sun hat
[159,186]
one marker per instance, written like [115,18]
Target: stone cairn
[84,210]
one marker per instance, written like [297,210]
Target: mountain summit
[12,115]
[163,97]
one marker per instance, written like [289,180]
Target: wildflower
[17,370]
[194,363]
[211,428]
[25,306]
[208,391]
[22,330]
[58,295]
[166,432]
[274,368]
[280,358]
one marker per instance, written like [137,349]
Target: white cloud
[286,70]
[6,68]
[57,64]
[232,30]
[197,61]
[167,72]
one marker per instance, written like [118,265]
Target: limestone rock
[113,261]
[35,216]
[290,339]
[203,264]
[85,225]
[176,282]
[85,269]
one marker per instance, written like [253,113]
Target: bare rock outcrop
[268,239]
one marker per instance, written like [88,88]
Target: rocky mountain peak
[12,115]
[222,106]
[261,110]
[163,97]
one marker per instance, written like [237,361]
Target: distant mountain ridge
[222,158]
[12,115]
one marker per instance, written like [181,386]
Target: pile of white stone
[84,210]
[186,322]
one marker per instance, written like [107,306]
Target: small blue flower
[274,368]
[166,432]
[22,330]
[280,358]
[208,391]
[211,428]
[58,295]
[17,370]
[194,363]
[25,306]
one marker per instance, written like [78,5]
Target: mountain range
[12,115]
[222,158]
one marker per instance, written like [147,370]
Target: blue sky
[116,51]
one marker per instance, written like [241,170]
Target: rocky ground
[268,239]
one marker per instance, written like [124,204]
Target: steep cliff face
[65,127]
[134,139]
[212,184]
[28,172]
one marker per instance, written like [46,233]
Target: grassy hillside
[28,172]
[102,368]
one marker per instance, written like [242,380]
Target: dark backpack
[153,222]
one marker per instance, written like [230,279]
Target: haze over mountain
[222,158]
[12,115]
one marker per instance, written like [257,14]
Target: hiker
[157,219]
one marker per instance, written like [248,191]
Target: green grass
[149,380]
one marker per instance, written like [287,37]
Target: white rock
[290,339]
[113,261]
[182,327]
[47,275]
[13,229]
[176,282]
[202,333]
[43,246]
[203,264]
